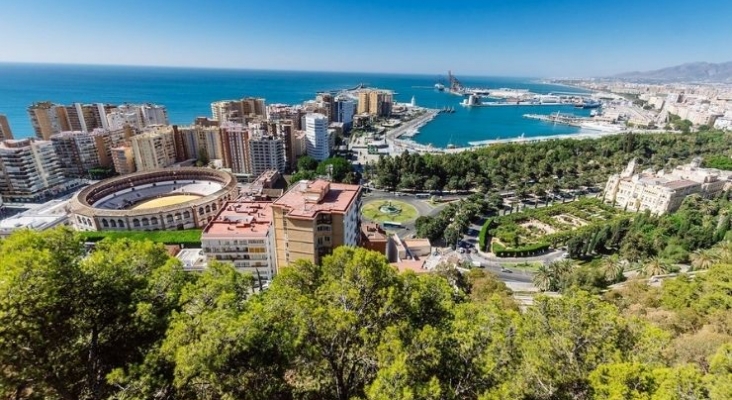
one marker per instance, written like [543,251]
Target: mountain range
[690,72]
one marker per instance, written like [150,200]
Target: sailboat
[449,144]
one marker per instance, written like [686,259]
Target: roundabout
[389,211]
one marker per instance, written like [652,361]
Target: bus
[422,195]
[391,224]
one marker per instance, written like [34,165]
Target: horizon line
[72,64]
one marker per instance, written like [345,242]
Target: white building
[316,134]
[29,170]
[266,152]
[243,234]
[138,116]
[663,192]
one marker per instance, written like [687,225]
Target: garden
[535,231]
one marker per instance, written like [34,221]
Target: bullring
[173,198]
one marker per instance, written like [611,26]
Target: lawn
[188,237]
[372,212]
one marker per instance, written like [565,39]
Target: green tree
[337,167]
[306,163]
[74,319]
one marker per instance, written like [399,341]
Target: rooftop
[245,219]
[308,198]
[373,232]
[41,217]
[192,259]
[680,184]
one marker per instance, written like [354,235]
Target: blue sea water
[187,93]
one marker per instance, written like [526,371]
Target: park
[389,211]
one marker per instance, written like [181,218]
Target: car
[506,270]
[462,250]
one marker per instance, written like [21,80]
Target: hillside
[691,72]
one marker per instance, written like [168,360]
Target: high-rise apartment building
[375,102]
[344,109]
[123,159]
[243,234]
[316,133]
[235,138]
[154,148]
[5,132]
[266,152]
[80,151]
[137,116]
[196,141]
[313,218]
[29,170]
[47,119]
[284,130]
[241,111]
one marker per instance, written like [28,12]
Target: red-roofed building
[243,234]
[313,218]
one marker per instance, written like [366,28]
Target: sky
[552,38]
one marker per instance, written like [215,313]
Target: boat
[588,104]
[472,101]
[439,87]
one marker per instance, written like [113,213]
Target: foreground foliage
[126,323]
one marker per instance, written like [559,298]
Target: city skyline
[497,38]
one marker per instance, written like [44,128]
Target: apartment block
[123,159]
[5,132]
[29,170]
[313,218]
[243,234]
[195,141]
[137,116]
[316,134]
[266,152]
[240,111]
[154,148]
[375,102]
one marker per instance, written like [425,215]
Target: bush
[483,236]
[187,238]
[523,251]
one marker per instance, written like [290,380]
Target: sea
[188,92]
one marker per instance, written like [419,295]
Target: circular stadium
[170,199]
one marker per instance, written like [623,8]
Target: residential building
[243,234]
[375,102]
[241,111]
[266,152]
[663,192]
[47,119]
[5,132]
[284,130]
[235,144]
[123,159]
[316,134]
[344,109]
[196,141]
[78,152]
[314,217]
[29,170]
[154,148]
[137,116]
[374,237]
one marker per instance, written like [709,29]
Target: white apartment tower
[29,170]
[316,134]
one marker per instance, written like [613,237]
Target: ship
[439,87]
[472,101]
[587,104]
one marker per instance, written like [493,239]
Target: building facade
[5,132]
[663,192]
[29,170]
[316,134]
[154,148]
[243,234]
[313,218]
[123,159]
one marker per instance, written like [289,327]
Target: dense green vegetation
[188,237]
[544,166]
[125,322]
[718,161]
[340,168]
[453,220]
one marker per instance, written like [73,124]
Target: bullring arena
[174,198]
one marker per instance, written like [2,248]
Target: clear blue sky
[484,37]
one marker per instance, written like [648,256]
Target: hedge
[483,236]
[187,238]
[529,250]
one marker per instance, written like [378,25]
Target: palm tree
[654,266]
[612,268]
[543,278]
[560,269]
[725,252]
[703,259]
